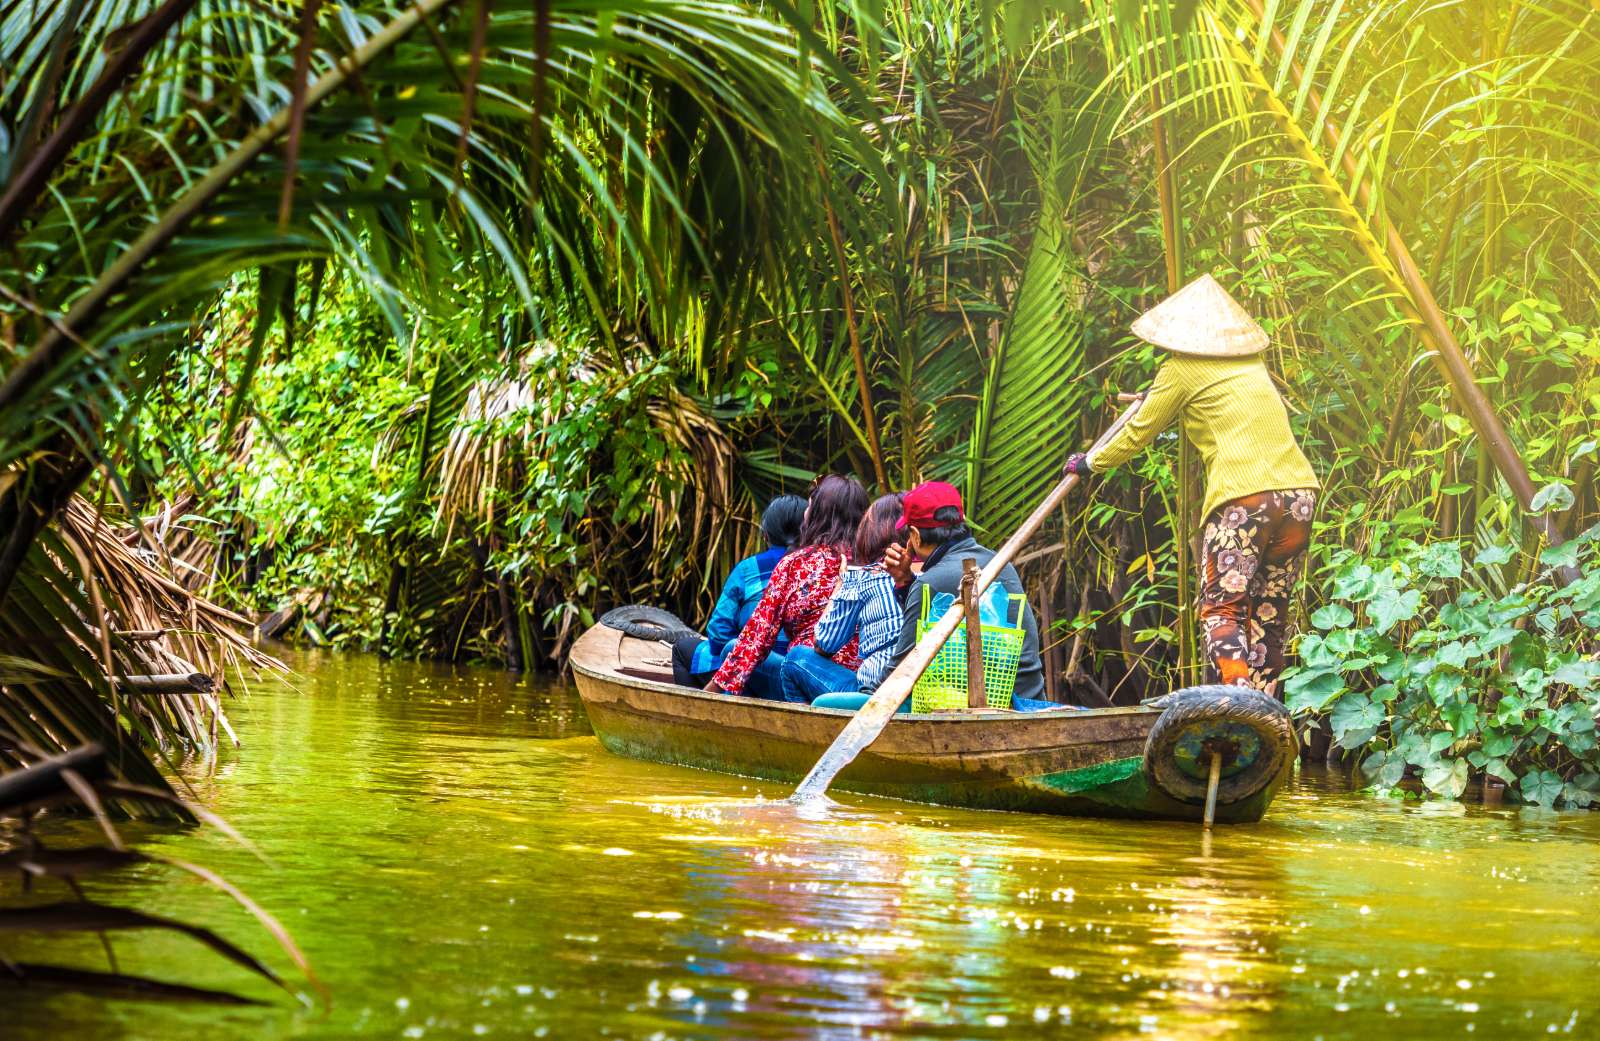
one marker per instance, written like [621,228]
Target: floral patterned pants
[1253,552]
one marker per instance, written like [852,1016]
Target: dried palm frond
[496,421]
[399,432]
[103,642]
[142,594]
[189,555]
[704,477]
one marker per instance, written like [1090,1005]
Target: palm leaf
[1030,391]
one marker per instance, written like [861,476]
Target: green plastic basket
[943,685]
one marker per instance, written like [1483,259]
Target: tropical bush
[154,156]
[1459,664]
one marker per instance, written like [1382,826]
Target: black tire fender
[1251,731]
[643,622]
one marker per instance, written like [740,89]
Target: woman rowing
[1260,489]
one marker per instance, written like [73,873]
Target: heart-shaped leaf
[1332,616]
[1493,554]
[1541,786]
[1552,498]
[1391,607]
[1448,778]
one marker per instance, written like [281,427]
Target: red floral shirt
[795,598]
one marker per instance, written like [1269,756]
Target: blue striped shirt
[864,604]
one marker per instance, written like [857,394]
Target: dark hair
[950,527]
[780,521]
[877,532]
[833,512]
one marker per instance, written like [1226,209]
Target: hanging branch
[297,108]
[80,118]
[863,387]
[541,73]
[469,90]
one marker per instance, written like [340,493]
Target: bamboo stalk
[1172,240]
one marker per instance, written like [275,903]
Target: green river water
[459,858]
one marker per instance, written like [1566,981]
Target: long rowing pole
[868,723]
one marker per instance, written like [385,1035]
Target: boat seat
[851,701]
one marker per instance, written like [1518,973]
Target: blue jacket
[740,595]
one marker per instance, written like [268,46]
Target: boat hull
[1066,762]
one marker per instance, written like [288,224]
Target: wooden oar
[869,722]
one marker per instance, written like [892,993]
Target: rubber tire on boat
[1251,729]
[643,622]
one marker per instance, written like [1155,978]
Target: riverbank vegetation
[446,327]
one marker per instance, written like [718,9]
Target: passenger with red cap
[936,534]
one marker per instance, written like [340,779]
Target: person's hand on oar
[1077,463]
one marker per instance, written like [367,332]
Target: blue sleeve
[838,620]
[723,625]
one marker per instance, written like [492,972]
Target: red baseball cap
[918,507]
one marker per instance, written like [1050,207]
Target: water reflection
[460,859]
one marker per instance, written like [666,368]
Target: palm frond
[1031,393]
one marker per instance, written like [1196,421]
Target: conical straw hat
[1202,319]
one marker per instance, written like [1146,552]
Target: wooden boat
[1074,762]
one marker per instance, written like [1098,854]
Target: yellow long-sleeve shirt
[1235,419]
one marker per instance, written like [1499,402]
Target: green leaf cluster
[1418,665]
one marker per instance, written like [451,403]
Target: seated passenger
[863,606]
[937,535]
[800,588]
[694,659]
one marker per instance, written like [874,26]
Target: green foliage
[1032,392]
[1417,660]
